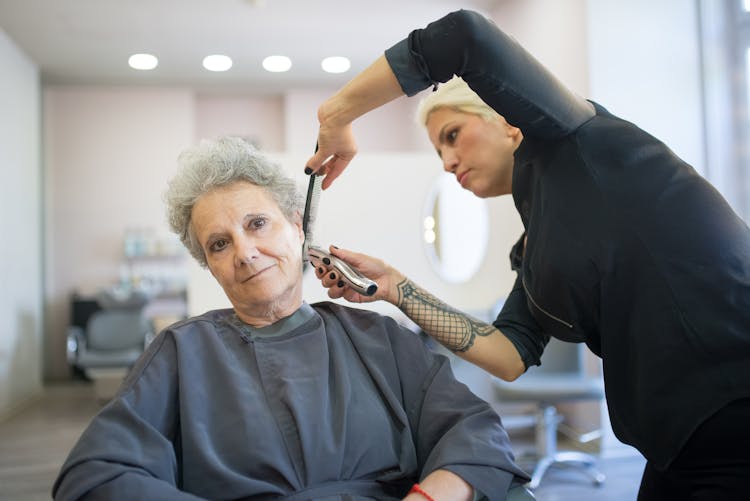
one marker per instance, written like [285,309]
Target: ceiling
[89,41]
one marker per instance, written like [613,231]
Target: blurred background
[87,142]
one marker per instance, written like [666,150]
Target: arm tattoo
[451,328]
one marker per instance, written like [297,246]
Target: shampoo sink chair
[113,336]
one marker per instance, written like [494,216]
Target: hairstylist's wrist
[331,113]
[396,280]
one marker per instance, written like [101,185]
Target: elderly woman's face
[252,249]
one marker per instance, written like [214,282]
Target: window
[725,43]
[741,49]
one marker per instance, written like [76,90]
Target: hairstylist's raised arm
[370,89]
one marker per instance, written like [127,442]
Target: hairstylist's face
[477,151]
[252,249]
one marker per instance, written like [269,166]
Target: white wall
[20,227]
[108,155]
[644,66]
[258,119]
[554,32]
[386,129]
[722,158]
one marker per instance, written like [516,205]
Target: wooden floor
[35,442]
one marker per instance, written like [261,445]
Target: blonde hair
[455,94]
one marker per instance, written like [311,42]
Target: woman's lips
[256,274]
[462,177]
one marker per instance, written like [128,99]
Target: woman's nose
[245,251]
[450,160]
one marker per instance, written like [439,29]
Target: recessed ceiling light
[277,64]
[217,62]
[143,61]
[335,64]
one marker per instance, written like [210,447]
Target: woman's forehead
[232,201]
[241,195]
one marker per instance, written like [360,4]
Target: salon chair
[113,335]
[559,379]
[520,493]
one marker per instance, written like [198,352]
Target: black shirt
[628,248]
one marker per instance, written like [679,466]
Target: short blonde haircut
[455,94]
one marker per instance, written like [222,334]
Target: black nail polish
[320,270]
[308,170]
[326,261]
[341,283]
[332,275]
[334,246]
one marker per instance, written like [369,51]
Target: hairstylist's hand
[371,88]
[383,274]
[336,148]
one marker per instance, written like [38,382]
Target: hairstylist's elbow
[513,373]
[508,370]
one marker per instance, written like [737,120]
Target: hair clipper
[349,275]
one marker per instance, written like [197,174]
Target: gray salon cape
[332,402]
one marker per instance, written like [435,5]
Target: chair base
[547,421]
[586,463]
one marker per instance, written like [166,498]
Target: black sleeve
[519,326]
[500,71]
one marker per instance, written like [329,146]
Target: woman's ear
[513,131]
[297,221]
[510,130]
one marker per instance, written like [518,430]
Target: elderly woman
[276,398]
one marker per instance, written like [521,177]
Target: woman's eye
[218,245]
[258,223]
[451,136]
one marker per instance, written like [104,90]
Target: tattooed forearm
[451,328]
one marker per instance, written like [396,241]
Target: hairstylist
[626,248]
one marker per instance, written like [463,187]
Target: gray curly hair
[216,163]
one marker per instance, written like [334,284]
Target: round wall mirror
[456,230]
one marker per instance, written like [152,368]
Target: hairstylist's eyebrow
[441,136]
[441,139]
